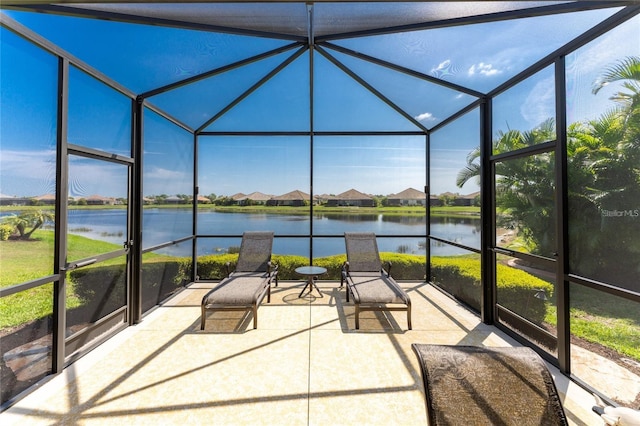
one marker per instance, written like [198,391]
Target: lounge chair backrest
[362,252]
[255,251]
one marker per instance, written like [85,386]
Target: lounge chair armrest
[388,269]
[344,273]
[272,271]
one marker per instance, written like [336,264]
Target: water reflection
[348,217]
[165,225]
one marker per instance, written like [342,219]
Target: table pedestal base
[311,284]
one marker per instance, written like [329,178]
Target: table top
[311,270]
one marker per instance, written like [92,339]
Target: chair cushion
[373,287]
[238,289]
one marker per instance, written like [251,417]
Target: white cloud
[163,174]
[442,66]
[27,173]
[26,163]
[444,69]
[426,116]
[158,180]
[483,69]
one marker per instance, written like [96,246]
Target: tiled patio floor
[304,365]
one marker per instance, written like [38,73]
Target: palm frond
[625,69]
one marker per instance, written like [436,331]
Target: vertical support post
[311,127]
[196,193]
[562,220]
[135,249]
[487,215]
[60,226]
[427,191]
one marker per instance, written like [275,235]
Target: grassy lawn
[29,260]
[23,261]
[602,318]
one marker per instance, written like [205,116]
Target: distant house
[48,199]
[323,198]
[456,199]
[10,200]
[98,200]
[467,200]
[408,197]
[174,200]
[352,198]
[203,200]
[238,196]
[254,198]
[294,198]
[435,201]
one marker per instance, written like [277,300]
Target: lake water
[164,225]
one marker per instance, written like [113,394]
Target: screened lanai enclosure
[492,146]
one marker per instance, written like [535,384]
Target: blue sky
[144,57]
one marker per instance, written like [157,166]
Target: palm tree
[31,219]
[604,181]
[524,186]
[604,176]
[626,70]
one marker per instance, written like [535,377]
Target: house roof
[325,197]
[256,196]
[293,195]
[409,194]
[100,198]
[47,197]
[352,194]
[471,196]
[239,196]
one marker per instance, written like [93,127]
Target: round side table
[310,272]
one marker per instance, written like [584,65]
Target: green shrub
[210,267]
[459,276]
[405,267]
[523,293]
[101,290]
[288,264]
[518,290]
[6,231]
[160,279]
[333,265]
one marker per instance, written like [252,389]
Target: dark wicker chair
[245,287]
[487,386]
[372,287]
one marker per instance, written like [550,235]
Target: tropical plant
[30,219]
[626,71]
[604,182]
[603,172]
[524,186]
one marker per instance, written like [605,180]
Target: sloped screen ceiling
[294,19]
